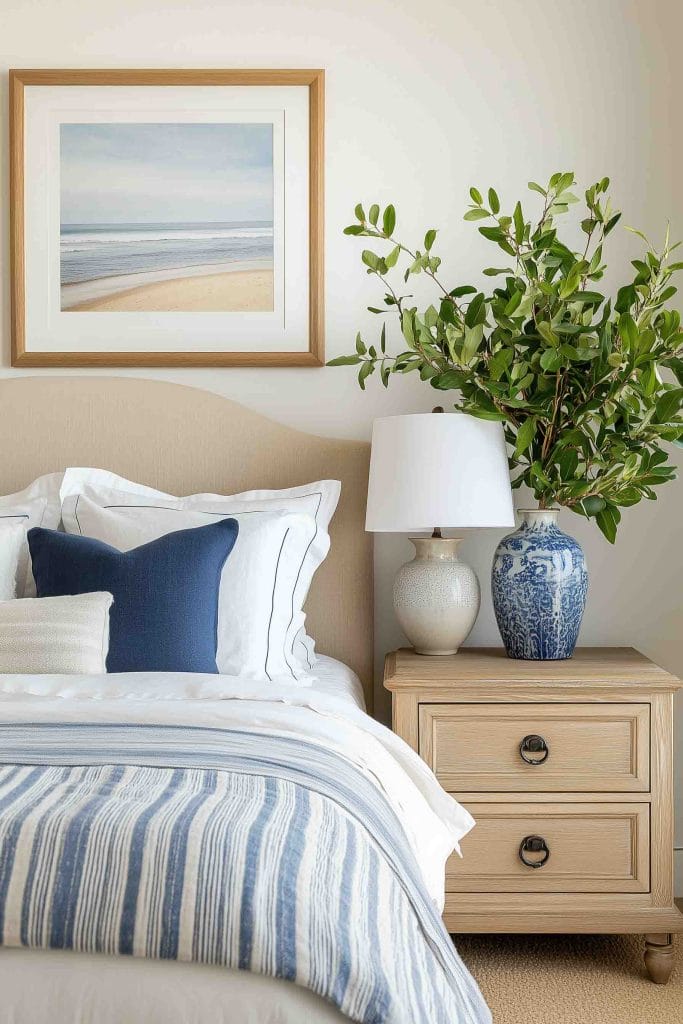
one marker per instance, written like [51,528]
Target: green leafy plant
[587,388]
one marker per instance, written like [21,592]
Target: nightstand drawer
[585,848]
[537,747]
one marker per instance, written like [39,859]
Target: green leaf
[522,383]
[359,212]
[628,331]
[473,339]
[635,231]
[483,408]
[571,282]
[427,372]
[607,523]
[536,472]
[373,214]
[392,258]
[551,360]
[513,303]
[447,311]
[567,461]
[477,214]
[448,380]
[431,317]
[518,218]
[500,362]
[463,289]
[354,229]
[364,372]
[360,347]
[494,271]
[535,187]
[370,259]
[430,238]
[611,223]
[570,329]
[493,234]
[626,297]
[547,333]
[588,298]
[407,328]
[669,405]
[525,435]
[506,247]
[344,361]
[494,201]
[564,181]
[389,221]
[476,196]
[676,366]
[475,310]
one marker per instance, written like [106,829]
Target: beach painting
[166,218]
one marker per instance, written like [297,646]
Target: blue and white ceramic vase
[539,584]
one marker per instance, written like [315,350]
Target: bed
[327,832]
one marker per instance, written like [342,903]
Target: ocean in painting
[89,252]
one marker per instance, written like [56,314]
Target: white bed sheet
[49,987]
[338,680]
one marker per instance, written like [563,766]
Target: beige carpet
[571,979]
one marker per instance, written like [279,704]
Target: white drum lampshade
[430,471]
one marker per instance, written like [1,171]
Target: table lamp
[430,471]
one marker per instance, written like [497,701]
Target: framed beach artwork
[167,218]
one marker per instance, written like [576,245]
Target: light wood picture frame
[167,218]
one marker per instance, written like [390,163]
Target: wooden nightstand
[567,768]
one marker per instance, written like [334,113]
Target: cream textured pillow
[12,543]
[55,635]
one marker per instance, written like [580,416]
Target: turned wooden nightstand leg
[659,957]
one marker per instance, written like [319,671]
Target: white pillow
[60,635]
[317,500]
[39,504]
[12,541]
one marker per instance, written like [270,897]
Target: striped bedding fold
[222,846]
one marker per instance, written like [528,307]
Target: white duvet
[329,712]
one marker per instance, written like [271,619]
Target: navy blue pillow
[165,612]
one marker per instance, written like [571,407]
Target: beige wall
[422,101]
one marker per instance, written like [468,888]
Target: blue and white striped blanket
[222,846]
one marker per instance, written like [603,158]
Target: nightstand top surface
[595,666]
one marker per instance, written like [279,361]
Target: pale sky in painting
[167,173]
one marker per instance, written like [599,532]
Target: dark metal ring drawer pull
[534,844]
[534,745]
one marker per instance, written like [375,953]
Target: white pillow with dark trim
[12,541]
[55,635]
[39,504]
[128,500]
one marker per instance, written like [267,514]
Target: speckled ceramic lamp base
[436,596]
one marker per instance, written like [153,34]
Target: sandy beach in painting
[245,286]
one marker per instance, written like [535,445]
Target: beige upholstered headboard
[184,441]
